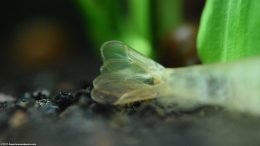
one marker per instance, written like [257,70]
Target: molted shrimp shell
[126,75]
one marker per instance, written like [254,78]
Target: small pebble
[40,94]
[25,102]
[46,106]
[18,119]
[64,99]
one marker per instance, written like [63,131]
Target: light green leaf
[229,30]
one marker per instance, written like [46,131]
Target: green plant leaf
[229,30]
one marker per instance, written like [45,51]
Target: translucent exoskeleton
[128,76]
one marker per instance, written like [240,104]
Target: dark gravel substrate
[72,118]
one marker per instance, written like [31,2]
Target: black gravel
[73,118]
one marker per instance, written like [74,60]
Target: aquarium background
[54,44]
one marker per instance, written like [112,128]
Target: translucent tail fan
[126,75]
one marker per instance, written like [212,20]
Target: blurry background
[54,44]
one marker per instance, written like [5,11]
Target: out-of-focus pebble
[18,119]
